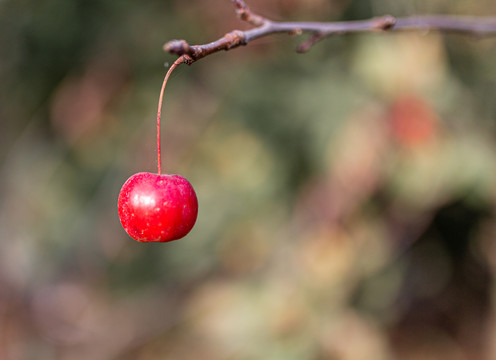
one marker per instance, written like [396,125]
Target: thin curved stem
[180,60]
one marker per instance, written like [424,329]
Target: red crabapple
[157,207]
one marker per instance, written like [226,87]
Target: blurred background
[346,195]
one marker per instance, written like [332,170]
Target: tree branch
[474,26]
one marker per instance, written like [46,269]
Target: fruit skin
[157,207]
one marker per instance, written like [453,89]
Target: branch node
[315,38]
[244,13]
[385,22]
[295,32]
[187,59]
[178,47]
[235,38]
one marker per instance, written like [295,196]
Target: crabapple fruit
[157,207]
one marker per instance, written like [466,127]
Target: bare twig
[475,26]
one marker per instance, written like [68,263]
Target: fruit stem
[180,60]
